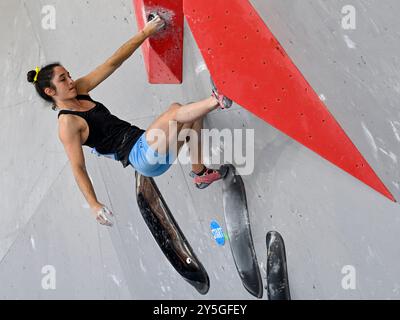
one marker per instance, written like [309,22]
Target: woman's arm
[69,134]
[102,72]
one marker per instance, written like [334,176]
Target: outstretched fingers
[102,217]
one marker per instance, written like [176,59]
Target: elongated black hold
[277,275]
[239,232]
[168,235]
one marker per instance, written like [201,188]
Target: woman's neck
[70,104]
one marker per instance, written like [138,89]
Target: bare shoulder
[69,126]
[70,130]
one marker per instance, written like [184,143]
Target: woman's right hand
[153,26]
[102,214]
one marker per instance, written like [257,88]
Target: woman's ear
[50,92]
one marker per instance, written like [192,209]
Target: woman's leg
[196,147]
[162,133]
[197,110]
[174,137]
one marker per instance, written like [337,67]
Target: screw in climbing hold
[152,16]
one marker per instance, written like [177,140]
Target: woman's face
[65,86]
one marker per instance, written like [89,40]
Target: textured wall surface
[327,218]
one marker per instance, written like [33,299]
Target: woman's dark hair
[44,80]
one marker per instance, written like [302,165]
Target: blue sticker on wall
[217,233]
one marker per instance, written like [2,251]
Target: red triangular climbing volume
[163,53]
[249,65]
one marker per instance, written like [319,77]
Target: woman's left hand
[154,26]
[102,214]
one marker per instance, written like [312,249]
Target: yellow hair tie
[37,73]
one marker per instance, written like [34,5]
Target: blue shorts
[148,162]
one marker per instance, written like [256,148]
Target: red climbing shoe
[203,179]
[224,102]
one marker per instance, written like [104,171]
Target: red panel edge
[163,53]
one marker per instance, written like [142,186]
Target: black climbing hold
[168,235]
[277,275]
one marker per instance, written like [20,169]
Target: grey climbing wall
[329,220]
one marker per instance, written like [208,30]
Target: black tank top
[107,133]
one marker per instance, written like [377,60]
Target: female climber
[85,122]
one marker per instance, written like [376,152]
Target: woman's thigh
[162,134]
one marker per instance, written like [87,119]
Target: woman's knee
[173,110]
[174,106]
